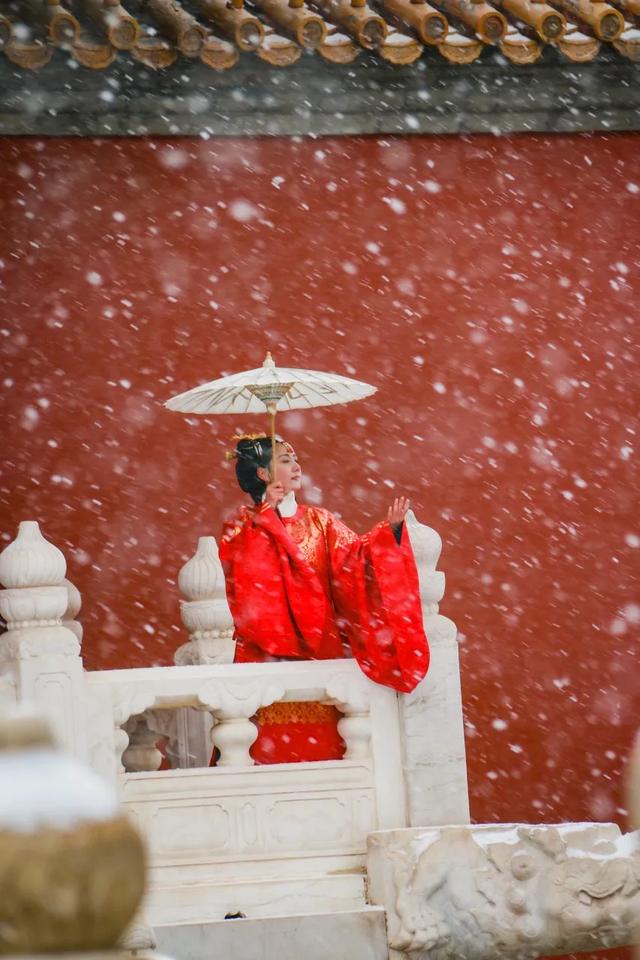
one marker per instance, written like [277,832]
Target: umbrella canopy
[282,388]
[271,388]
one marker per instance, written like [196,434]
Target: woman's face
[289,472]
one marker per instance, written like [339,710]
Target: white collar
[288,505]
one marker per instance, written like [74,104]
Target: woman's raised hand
[397,511]
[274,494]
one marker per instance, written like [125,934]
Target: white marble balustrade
[287,837]
[231,694]
[220,829]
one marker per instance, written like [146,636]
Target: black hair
[250,456]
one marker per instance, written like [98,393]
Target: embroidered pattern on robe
[307,587]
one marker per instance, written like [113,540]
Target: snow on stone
[72,795]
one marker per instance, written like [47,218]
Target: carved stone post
[39,656]
[205,611]
[73,609]
[433,735]
[206,615]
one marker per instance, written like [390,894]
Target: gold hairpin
[248,436]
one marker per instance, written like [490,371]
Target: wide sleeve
[276,600]
[377,599]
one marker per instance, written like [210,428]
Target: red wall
[488,286]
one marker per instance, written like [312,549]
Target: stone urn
[72,866]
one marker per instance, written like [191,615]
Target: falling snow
[487,286]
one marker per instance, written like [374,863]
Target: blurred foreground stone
[72,866]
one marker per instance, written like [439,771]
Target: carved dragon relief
[508,891]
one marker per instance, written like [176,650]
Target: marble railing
[196,709]
[237,835]
[218,829]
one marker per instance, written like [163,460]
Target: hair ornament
[237,437]
[251,439]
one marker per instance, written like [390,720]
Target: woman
[302,585]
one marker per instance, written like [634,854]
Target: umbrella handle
[272,408]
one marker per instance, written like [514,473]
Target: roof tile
[157,32]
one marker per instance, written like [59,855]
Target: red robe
[307,587]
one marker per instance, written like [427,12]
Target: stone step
[180,901]
[352,935]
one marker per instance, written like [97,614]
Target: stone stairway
[352,935]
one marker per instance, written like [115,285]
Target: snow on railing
[117,718]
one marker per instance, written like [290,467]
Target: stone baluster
[73,609]
[232,705]
[427,547]
[39,655]
[233,736]
[141,753]
[205,611]
[352,699]
[206,615]
[434,757]
[128,702]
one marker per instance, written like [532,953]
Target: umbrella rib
[240,393]
[317,392]
[313,376]
[325,389]
[228,396]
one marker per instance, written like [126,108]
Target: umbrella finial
[268,361]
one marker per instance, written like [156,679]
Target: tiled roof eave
[218,32]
